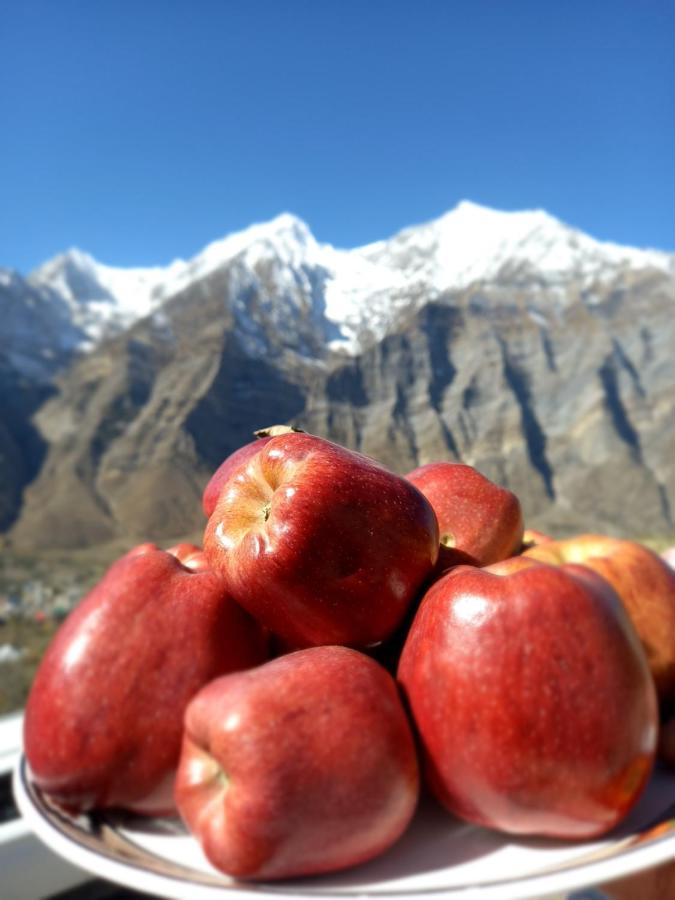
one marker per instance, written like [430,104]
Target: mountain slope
[37,339]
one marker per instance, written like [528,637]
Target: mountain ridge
[554,381]
[467,244]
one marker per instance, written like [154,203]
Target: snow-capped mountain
[103,298]
[507,340]
[37,334]
[474,243]
[363,290]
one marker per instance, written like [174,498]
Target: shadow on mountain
[246,394]
[22,448]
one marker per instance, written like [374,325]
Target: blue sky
[140,131]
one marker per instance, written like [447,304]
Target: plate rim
[648,854]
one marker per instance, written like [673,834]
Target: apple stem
[275,430]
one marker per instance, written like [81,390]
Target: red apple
[645,585]
[532,538]
[191,556]
[103,722]
[532,697]
[236,459]
[474,514]
[322,545]
[303,765]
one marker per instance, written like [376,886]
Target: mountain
[100,299]
[508,340]
[356,295]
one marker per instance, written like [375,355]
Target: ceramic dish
[437,857]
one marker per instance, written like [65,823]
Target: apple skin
[474,514]
[669,557]
[322,545]
[213,489]
[234,460]
[304,765]
[646,586]
[532,699]
[103,721]
[387,653]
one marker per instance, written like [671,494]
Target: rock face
[37,338]
[558,384]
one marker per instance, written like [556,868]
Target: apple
[532,698]
[474,514]
[646,586]
[322,545]
[191,556]
[532,538]
[103,721]
[236,459]
[303,765]
[669,556]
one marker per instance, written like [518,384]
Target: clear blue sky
[140,131]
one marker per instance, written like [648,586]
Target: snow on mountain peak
[472,242]
[469,243]
[286,237]
[101,296]
[363,289]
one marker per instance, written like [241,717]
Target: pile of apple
[249,685]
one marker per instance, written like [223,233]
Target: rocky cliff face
[37,339]
[561,388]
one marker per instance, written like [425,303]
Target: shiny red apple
[103,721]
[474,514]
[303,765]
[645,585]
[532,698]
[322,545]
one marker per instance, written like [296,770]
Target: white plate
[438,856]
